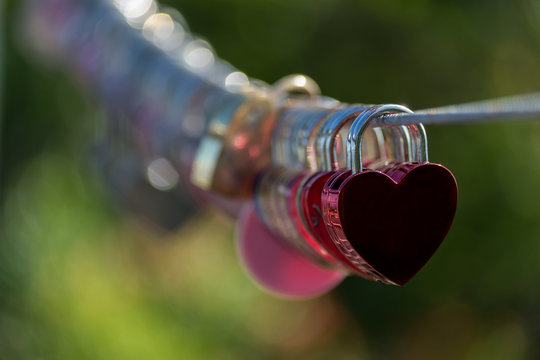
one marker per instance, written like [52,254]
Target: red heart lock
[390,224]
[311,205]
[304,225]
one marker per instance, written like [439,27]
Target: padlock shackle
[416,139]
[327,134]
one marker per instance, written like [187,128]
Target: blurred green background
[80,281]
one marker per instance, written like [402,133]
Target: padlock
[388,228]
[237,145]
[235,148]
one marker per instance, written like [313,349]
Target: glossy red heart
[396,221]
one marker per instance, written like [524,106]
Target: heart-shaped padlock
[380,146]
[389,224]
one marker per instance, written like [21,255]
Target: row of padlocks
[319,192]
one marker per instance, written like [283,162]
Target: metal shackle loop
[326,137]
[416,139]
